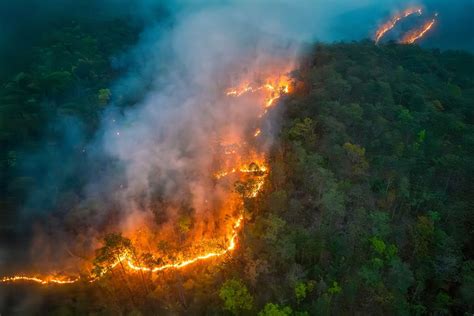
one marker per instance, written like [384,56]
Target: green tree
[235,296]
[300,291]
[271,309]
[303,130]
[356,155]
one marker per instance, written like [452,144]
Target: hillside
[367,209]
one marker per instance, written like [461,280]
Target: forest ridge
[368,207]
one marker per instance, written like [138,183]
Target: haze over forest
[236,157]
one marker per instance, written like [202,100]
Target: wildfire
[256,187]
[273,88]
[134,266]
[252,173]
[252,168]
[222,174]
[416,34]
[46,280]
[386,27]
[413,35]
[231,246]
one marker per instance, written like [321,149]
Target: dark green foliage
[61,94]
[235,296]
[376,150]
[275,310]
[368,207]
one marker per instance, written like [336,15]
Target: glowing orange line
[275,91]
[39,280]
[393,22]
[416,35]
[126,258]
[182,264]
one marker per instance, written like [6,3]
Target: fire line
[388,26]
[419,33]
[272,91]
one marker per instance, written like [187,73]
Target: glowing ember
[386,27]
[273,89]
[253,167]
[45,280]
[256,187]
[251,170]
[182,264]
[127,258]
[223,174]
[415,35]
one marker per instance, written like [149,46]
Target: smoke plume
[151,163]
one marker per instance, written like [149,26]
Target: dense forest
[64,86]
[370,204]
[368,208]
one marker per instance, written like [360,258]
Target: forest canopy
[368,207]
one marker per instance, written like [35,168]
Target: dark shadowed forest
[368,208]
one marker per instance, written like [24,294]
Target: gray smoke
[179,70]
[162,146]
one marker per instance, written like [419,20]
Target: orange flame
[257,171]
[274,89]
[231,246]
[127,258]
[415,35]
[386,27]
[40,280]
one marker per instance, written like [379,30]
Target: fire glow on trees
[248,172]
[388,26]
[413,35]
[416,34]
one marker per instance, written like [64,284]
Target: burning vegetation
[240,173]
[388,26]
[416,34]
[413,35]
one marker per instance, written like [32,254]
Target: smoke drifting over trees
[123,106]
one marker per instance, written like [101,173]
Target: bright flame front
[419,33]
[244,164]
[388,26]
